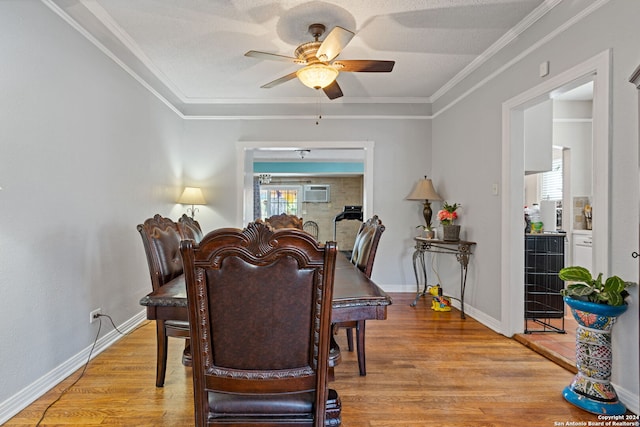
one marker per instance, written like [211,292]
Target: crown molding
[542,41]
[309,117]
[635,77]
[205,108]
[496,47]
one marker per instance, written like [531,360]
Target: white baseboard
[469,310]
[29,394]
[630,400]
[400,288]
[33,391]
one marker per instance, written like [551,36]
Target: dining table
[355,297]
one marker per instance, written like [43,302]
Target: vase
[451,232]
[591,388]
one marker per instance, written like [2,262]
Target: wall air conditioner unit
[318,193]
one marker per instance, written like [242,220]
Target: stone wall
[345,191]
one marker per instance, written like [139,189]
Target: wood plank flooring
[560,348]
[423,369]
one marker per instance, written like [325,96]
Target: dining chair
[311,227]
[189,228]
[363,256]
[259,303]
[284,220]
[161,239]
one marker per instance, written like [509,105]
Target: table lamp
[424,191]
[192,196]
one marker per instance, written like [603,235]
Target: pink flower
[448,214]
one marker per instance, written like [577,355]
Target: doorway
[247,150]
[563,191]
[598,70]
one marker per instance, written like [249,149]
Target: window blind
[551,187]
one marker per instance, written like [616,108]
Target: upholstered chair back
[284,221]
[161,239]
[260,312]
[190,228]
[366,244]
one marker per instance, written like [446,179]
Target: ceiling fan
[319,72]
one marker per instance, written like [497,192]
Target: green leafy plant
[583,286]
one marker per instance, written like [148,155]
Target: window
[551,182]
[277,199]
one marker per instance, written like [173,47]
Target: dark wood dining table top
[355,297]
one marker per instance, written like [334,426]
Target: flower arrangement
[447,215]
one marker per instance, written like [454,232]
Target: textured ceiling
[192,51]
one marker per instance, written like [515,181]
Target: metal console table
[460,248]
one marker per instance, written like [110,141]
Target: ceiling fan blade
[333,91]
[333,44]
[364,65]
[271,56]
[281,80]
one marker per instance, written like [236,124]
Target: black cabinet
[543,259]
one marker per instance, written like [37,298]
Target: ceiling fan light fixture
[317,76]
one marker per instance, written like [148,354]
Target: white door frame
[244,179]
[597,69]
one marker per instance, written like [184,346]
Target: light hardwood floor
[561,348]
[423,369]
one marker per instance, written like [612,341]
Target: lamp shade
[317,76]
[192,196]
[424,191]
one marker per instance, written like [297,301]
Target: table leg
[362,365]
[418,257]
[463,284]
[463,259]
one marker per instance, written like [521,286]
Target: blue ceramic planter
[591,388]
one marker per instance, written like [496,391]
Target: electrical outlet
[93,316]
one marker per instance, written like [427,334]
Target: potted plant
[584,287]
[428,232]
[447,215]
[595,305]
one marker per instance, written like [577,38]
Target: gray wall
[467,152]
[87,153]
[401,157]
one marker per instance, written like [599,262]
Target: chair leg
[186,354]
[161,356]
[334,407]
[349,338]
[334,358]
[362,366]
